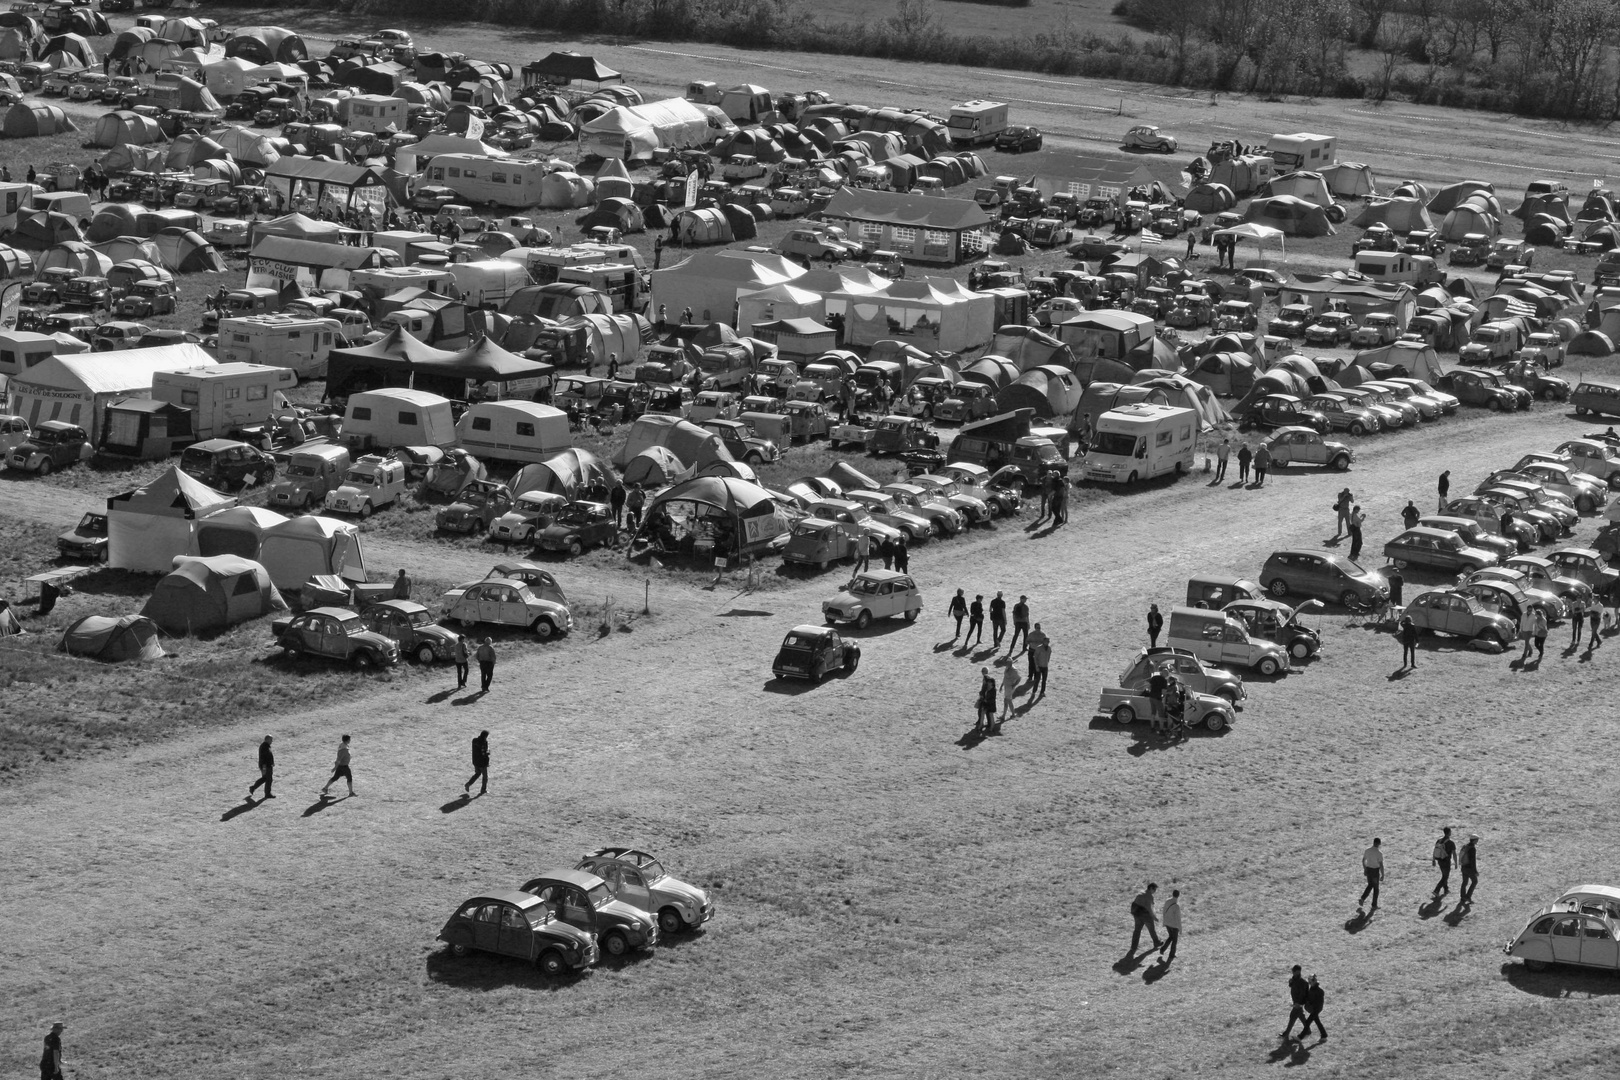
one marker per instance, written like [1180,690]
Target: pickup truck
[858,431]
[371,483]
[335,633]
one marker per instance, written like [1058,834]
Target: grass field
[895,898]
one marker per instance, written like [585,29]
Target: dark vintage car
[1019,139]
[584,901]
[222,463]
[335,633]
[476,507]
[86,540]
[577,528]
[412,627]
[148,298]
[1285,410]
[53,445]
[509,922]
[814,652]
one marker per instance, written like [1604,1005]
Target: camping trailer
[619,282]
[974,123]
[299,344]
[22,349]
[396,417]
[15,199]
[513,431]
[488,180]
[1139,442]
[1301,151]
[225,398]
[375,113]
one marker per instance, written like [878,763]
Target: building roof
[915,211]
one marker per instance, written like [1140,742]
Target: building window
[904,235]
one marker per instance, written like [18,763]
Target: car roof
[1424,530]
[515,897]
[817,523]
[407,606]
[334,612]
[516,584]
[882,575]
[812,630]
[1287,428]
[578,878]
[215,445]
[1589,553]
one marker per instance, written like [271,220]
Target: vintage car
[964,402]
[1447,611]
[818,542]
[814,652]
[410,626]
[1345,413]
[1594,457]
[1291,320]
[668,401]
[807,420]
[1412,405]
[1391,408]
[506,602]
[85,291]
[1518,583]
[1284,410]
[531,512]
[1585,564]
[311,471]
[1188,669]
[148,298]
[14,431]
[898,434]
[1580,928]
[714,405]
[335,633]
[577,528]
[1277,622]
[371,483]
[640,880]
[1546,575]
[873,594]
[86,540]
[475,507]
[117,336]
[1488,388]
[1306,446]
[1507,252]
[971,507]
[842,508]
[1420,389]
[1473,533]
[584,901]
[1189,311]
[226,232]
[1536,497]
[742,442]
[1148,137]
[1002,491]
[1326,576]
[1472,250]
[1592,395]
[889,510]
[224,463]
[51,446]
[1530,376]
[1586,492]
[1019,139]
[1236,317]
[1378,328]
[1331,328]
[542,582]
[1544,350]
[1487,514]
[510,922]
[940,516]
[1207,710]
[1437,549]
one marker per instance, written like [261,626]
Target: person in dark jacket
[1408,634]
[1410,515]
[1020,614]
[1444,487]
[460,654]
[480,760]
[486,664]
[958,611]
[986,703]
[1155,623]
[1299,992]
[50,1060]
[1315,998]
[976,619]
[1244,456]
[267,770]
[1468,866]
[998,619]
[616,499]
[902,555]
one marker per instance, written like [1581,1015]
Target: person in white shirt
[340,768]
[1372,864]
[1170,919]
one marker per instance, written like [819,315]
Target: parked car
[1331,328]
[577,528]
[1546,575]
[1188,669]
[1447,402]
[1019,139]
[1291,320]
[53,445]
[542,582]
[371,484]
[14,431]
[1279,623]
[1378,328]
[148,298]
[584,901]
[509,922]
[1345,414]
[971,507]
[528,514]
[1473,533]
[475,507]
[808,420]
[1149,137]
[1474,386]
[814,652]
[1586,565]
[1002,491]
[873,594]
[1126,705]
[1396,412]
[1437,549]
[226,463]
[1587,492]
[886,508]
[1536,498]
[1581,928]
[1284,410]
[1306,446]
[1529,376]
[819,542]
[942,519]
[412,627]
[1518,583]
[1593,457]
[335,633]
[1447,611]
[640,880]
[506,602]
[1592,395]
[86,540]
[117,336]
[1488,515]
[1324,575]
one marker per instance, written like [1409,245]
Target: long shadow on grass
[1431,909]
[323,803]
[1458,914]
[470,699]
[482,971]
[1290,1053]
[1561,982]
[1358,922]
[789,687]
[239,810]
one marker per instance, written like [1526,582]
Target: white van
[301,343]
[1218,638]
[391,417]
[392,279]
[1139,442]
[488,281]
[225,398]
[513,431]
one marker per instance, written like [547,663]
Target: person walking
[1315,998]
[886,550]
[634,501]
[1040,658]
[1020,616]
[480,760]
[1468,868]
[1539,629]
[863,551]
[1244,456]
[1527,631]
[1009,691]
[1222,452]
[1372,864]
[902,555]
[1408,634]
[486,664]
[340,769]
[998,619]
[459,652]
[1262,462]
[1593,616]
[50,1059]
[1577,620]
[1049,484]
[1342,506]
[616,499]
[1032,640]
[1444,488]
[402,586]
[1142,916]
[985,703]
[958,611]
[1155,623]
[267,770]
[1358,518]
[1060,503]
[976,618]
[1444,851]
[1170,917]
[1192,238]
[1299,992]
[1410,515]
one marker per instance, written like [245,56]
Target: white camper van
[225,398]
[382,419]
[975,123]
[391,280]
[299,343]
[488,281]
[513,431]
[22,349]
[1302,150]
[1139,442]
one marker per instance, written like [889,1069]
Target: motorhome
[296,342]
[1302,150]
[384,282]
[478,179]
[373,112]
[225,398]
[15,199]
[1139,442]
[488,282]
[513,431]
[974,123]
[397,417]
[620,282]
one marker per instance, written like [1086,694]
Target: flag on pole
[1152,238]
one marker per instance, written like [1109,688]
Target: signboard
[693,182]
[475,127]
[763,528]
[10,299]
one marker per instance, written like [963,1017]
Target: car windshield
[299,469]
[93,523]
[864,586]
[360,477]
[350,625]
[600,895]
[574,515]
[419,618]
[1115,444]
[800,641]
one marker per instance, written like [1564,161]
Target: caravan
[1139,442]
[1301,151]
[397,417]
[297,343]
[224,398]
[621,283]
[513,431]
[488,180]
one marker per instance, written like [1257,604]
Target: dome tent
[77,256]
[565,191]
[72,45]
[24,121]
[116,128]
[186,252]
[568,473]
[267,44]
[615,213]
[148,527]
[238,531]
[307,546]
[45,228]
[727,515]
[203,594]
[103,637]
[654,467]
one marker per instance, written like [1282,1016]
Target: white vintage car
[1581,927]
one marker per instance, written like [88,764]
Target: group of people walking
[343,767]
[1037,648]
[1442,856]
[1259,459]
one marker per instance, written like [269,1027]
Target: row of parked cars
[615,900]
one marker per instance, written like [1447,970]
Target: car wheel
[1358,428]
[363,661]
[1299,648]
[755,459]
[294,651]
[670,921]
[551,963]
[1228,692]
[544,628]
[365,510]
[1216,720]
[1585,504]
[45,467]
[1535,965]
[939,529]
[863,620]
[614,943]
[822,565]
[575,548]
[1132,478]
[424,653]
[1467,568]
[474,526]
[1268,666]
[911,616]
[1400,564]
[1124,714]
[1277,587]
[457,949]
[1493,404]
[851,663]
[1350,601]
[1580,410]
[1341,462]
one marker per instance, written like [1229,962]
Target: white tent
[78,388]
[228,77]
[778,302]
[149,527]
[711,282]
[933,314]
[635,131]
[303,547]
[1249,230]
[237,531]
